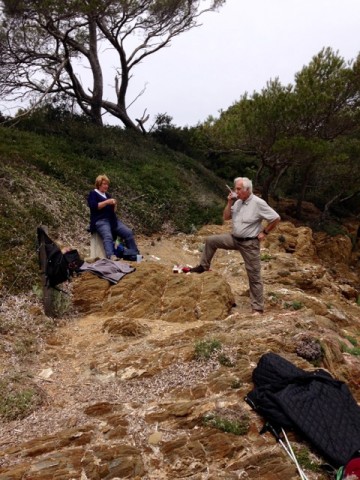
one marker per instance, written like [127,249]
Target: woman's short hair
[100,179]
[246,183]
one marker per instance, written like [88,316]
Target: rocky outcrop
[148,380]
[154,292]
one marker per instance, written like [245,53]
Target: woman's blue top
[105,213]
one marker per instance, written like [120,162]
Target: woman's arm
[94,204]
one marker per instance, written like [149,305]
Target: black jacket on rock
[313,404]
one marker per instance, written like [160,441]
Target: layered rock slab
[154,292]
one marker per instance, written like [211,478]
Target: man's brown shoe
[197,269]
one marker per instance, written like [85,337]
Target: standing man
[247,213]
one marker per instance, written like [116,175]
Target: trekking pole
[276,432]
[302,474]
[271,429]
[287,448]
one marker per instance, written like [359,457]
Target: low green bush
[306,461]
[294,305]
[228,425]
[204,349]
[19,396]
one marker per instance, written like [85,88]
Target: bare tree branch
[36,37]
[35,105]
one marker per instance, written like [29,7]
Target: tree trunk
[98,83]
[301,195]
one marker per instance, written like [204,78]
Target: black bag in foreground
[314,404]
[60,266]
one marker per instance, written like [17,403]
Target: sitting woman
[103,219]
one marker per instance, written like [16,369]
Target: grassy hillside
[47,170]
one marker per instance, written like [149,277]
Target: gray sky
[237,50]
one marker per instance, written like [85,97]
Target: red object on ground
[353,468]
[186,269]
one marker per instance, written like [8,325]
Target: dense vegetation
[48,164]
[300,141]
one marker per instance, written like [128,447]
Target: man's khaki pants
[250,251]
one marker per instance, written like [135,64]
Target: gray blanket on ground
[107,269]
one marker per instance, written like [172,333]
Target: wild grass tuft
[304,457]
[352,340]
[294,305]
[228,421]
[19,396]
[265,257]
[204,349]
[352,351]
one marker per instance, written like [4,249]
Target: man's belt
[244,239]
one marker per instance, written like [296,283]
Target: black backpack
[60,266]
[129,254]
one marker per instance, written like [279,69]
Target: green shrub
[205,348]
[236,383]
[228,425]
[225,360]
[294,305]
[332,228]
[305,460]
[352,340]
[18,397]
[352,351]
[25,346]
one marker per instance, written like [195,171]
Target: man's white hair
[247,183]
